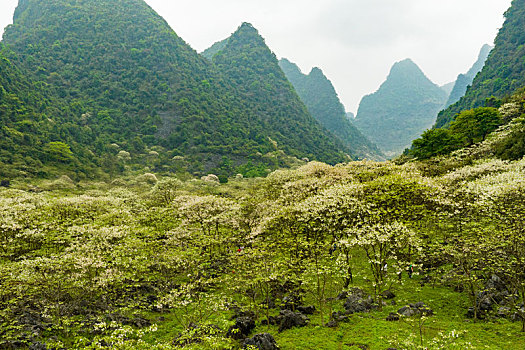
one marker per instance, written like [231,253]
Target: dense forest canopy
[131,85]
[253,68]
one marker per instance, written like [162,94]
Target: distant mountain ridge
[465,80]
[216,47]
[504,70]
[401,109]
[320,97]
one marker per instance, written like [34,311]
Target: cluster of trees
[190,249]
[469,127]
[476,129]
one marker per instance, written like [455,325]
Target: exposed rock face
[288,319]
[392,317]
[242,328]
[307,310]
[358,301]
[387,294]
[419,309]
[264,341]
[494,293]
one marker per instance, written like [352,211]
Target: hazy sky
[355,42]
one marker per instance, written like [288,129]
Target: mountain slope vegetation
[416,254]
[141,90]
[465,80]
[503,73]
[404,106]
[320,97]
[253,68]
[36,130]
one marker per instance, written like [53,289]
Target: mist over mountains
[319,95]
[465,80]
[403,107]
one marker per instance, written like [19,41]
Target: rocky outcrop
[264,341]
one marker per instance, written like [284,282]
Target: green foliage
[474,125]
[254,71]
[95,74]
[95,262]
[59,151]
[470,127]
[433,142]
[502,74]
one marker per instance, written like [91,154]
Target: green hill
[141,90]
[503,73]
[465,80]
[320,97]
[36,134]
[263,88]
[404,106]
[212,50]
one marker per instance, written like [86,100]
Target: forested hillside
[36,133]
[320,97]
[140,91]
[486,131]
[465,80]
[405,105]
[262,86]
[503,73]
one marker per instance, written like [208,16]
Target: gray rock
[418,308]
[332,324]
[288,319]
[263,341]
[307,310]
[392,317]
[357,302]
[387,294]
[242,328]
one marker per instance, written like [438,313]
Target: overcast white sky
[355,42]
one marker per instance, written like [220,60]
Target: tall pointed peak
[405,66]
[245,38]
[246,29]
[316,72]
[485,50]
[407,73]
